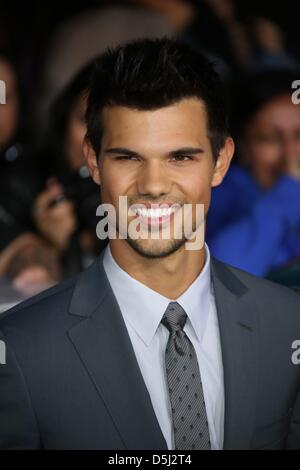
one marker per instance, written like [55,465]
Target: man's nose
[153,180]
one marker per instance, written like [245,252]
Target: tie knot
[174,317]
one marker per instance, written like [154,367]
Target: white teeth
[154,213]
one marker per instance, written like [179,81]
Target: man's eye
[126,157]
[181,158]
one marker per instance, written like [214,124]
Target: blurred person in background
[64,211]
[254,222]
[16,179]
[30,265]
[269,51]
[247,36]
[47,202]
[24,257]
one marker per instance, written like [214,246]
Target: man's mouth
[154,215]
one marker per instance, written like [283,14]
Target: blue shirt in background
[254,229]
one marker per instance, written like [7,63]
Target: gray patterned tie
[184,382]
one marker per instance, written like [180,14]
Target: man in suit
[156,345]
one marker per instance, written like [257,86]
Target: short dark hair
[149,74]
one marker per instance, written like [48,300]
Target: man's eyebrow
[172,153]
[186,151]
[121,151]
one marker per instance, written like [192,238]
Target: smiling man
[156,345]
[161,158]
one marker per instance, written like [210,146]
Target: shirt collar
[143,307]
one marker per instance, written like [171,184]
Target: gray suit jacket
[72,381]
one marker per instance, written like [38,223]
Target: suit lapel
[103,344]
[240,356]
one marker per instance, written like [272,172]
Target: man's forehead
[189,112]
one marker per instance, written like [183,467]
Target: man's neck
[170,276]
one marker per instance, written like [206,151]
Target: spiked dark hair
[149,74]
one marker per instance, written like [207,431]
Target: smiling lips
[154,216]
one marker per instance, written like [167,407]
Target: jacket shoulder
[259,288]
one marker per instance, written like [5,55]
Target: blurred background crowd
[47,198]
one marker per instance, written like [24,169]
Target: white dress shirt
[142,309]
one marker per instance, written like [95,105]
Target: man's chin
[156,248]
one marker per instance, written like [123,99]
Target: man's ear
[223,162]
[91,161]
